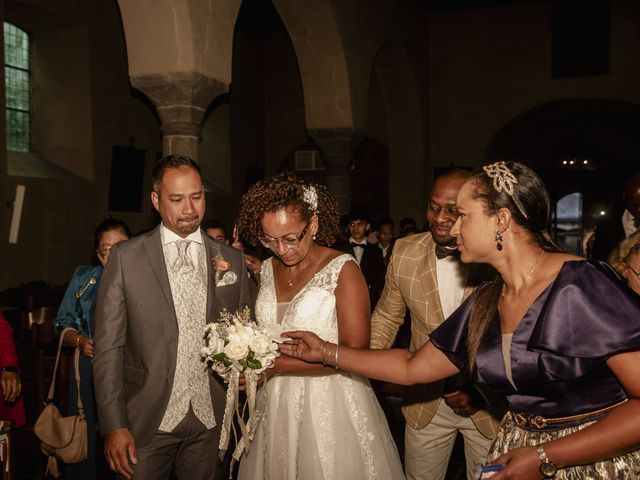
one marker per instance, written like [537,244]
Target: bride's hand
[306,346]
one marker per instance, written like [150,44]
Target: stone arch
[324,71]
[408,172]
[179,36]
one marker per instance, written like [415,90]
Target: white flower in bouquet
[235,349]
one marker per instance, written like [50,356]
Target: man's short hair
[167,162]
[214,223]
[358,215]
[385,221]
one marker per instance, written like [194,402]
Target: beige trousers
[427,451]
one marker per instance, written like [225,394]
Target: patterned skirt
[510,436]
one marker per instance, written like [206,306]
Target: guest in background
[368,256]
[216,230]
[626,260]
[253,257]
[11,402]
[76,311]
[411,230]
[407,223]
[373,237]
[619,223]
[385,238]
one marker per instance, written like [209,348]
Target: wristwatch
[548,469]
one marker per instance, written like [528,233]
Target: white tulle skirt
[324,428]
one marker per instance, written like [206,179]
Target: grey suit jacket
[136,333]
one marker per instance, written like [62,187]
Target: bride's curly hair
[286,190]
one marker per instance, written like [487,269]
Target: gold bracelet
[324,353]
[336,362]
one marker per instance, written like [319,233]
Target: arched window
[568,222]
[16,74]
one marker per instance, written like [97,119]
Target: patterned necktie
[183,262]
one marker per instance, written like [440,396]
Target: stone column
[181,99]
[337,147]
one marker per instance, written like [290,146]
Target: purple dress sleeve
[560,348]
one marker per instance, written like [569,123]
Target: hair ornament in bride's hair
[504,180]
[310,197]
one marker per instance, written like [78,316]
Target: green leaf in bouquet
[222,357]
[254,364]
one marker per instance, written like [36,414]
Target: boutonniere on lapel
[222,268]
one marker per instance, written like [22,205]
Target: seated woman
[626,260]
[76,311]
[557,334]
[317,423]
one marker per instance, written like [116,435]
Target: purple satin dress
[558,358]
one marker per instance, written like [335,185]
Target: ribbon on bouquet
[232,406]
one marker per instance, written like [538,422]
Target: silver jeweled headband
[504,180]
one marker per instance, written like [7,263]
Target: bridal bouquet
[236,345]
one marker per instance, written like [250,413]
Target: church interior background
[371,97]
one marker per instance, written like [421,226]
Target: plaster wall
[489,65]
[60,214]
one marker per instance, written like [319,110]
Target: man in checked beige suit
[432,288]
[158,406]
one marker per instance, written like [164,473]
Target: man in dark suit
[368,255]
[385,239]
[621,222]
[158,406]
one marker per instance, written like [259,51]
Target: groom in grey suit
[159,408]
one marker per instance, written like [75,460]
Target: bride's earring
[498,241]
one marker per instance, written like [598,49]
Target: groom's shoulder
[134,244]
[228,250]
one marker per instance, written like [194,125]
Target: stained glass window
[16,75]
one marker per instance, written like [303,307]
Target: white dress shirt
[169,237]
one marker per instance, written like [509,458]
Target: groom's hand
[119,448]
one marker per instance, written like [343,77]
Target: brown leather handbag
[63,438]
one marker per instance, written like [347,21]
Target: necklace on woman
[528,276]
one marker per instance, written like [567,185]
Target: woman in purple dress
[557,334]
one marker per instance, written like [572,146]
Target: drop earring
[498,241]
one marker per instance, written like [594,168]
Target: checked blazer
[411,283]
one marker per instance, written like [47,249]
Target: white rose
[260,344]
[235,350]
[220,345]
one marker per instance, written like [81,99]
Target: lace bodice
[313,308]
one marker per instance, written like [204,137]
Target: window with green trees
[16,75]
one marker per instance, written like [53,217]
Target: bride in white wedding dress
[317,422]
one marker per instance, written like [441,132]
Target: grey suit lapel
[153,247]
